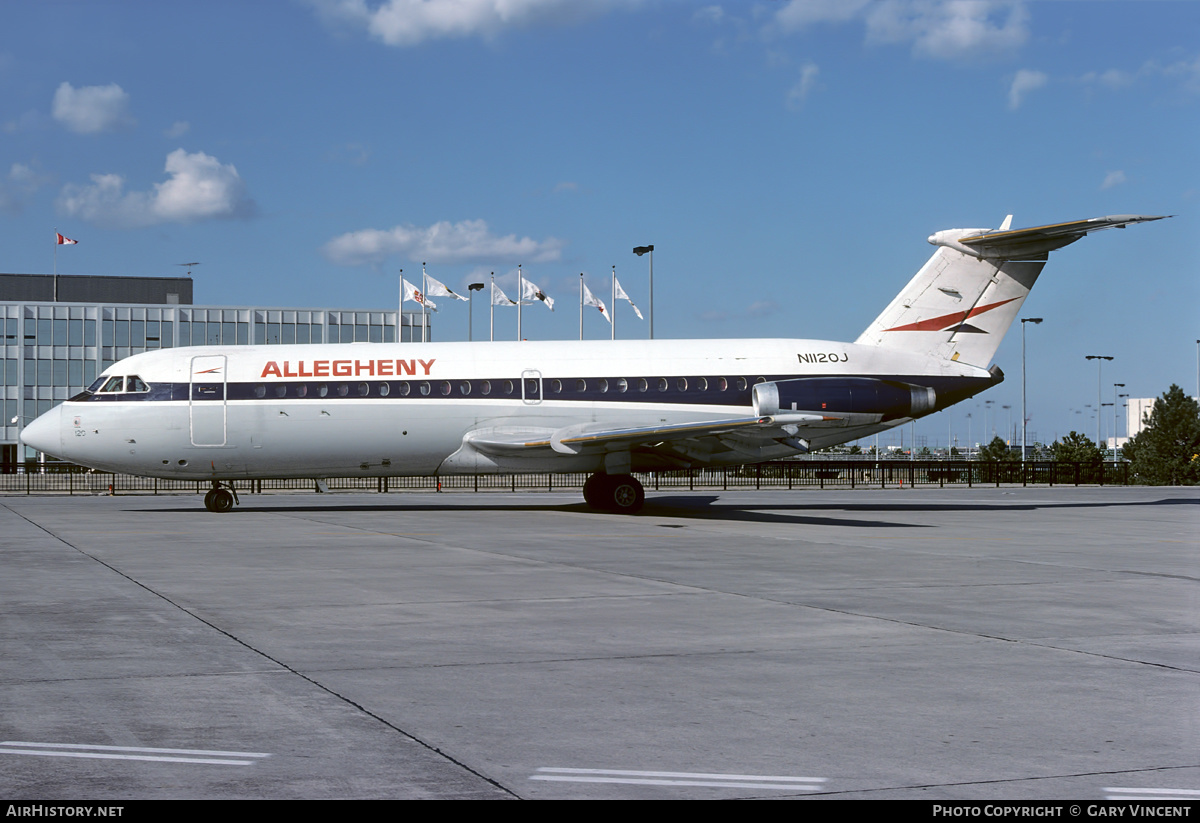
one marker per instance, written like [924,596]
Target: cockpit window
[114,384]
[95,387]
[135,383]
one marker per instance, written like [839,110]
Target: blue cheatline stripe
[679,390]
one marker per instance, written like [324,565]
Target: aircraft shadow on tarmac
[700,507]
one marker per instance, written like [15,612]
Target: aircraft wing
[706,437]
[1042,239]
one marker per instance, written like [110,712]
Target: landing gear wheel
[594,491]
[625,494]
[218,500]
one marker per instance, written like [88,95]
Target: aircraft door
[531,387]
[206,400]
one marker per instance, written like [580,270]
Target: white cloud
[1113,178]
[938,29]
[1187,70]
[178,129]
[409,22]
[804,86]
[798,14]
[92,109]
[1025,81]
[950,29]
[18,186]
[469,241]
[200,187]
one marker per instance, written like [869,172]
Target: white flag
[412,293]
[531,292]
[436,288]
[499,298]
[590,299]
[621,295]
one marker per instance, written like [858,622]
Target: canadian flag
[64,241]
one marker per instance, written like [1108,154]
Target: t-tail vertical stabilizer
[962,301]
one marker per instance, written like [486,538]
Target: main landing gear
[219,498]
[619,493]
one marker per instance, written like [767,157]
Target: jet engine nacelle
[847,395]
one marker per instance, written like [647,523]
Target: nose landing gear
[220,498]
[619,493]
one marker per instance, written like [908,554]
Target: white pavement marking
[1129,793]
[219,758]
[742,781]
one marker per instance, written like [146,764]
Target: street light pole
[639,251]
[1114,419]
[1099,358]
[471,289]
[1024,416]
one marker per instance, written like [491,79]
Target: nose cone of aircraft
[45,433]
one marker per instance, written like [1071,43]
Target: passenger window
[323,390]
[741,384]
[643,384]
[662,384]
[384,389]
[508,387]
[603,385]
[581,385]
[404,388]
[343,390]
[722,384]
[444,387]
[425,387]
[622,384]
[681,384]
[260,390]
[363,389]
[556,386]
[465,387]
[485,387]
[281,390]
[701,384]
[301,390]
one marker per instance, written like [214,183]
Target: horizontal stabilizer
[1043,239]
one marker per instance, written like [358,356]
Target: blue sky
[786,159]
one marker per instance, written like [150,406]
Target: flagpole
[581,305]
[612,321]
[424,291]
[492,311]
[400,309]
[520,299]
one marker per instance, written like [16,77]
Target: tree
[1076,448]
[995,452]
[1167,450]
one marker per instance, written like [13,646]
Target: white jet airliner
[609,408]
